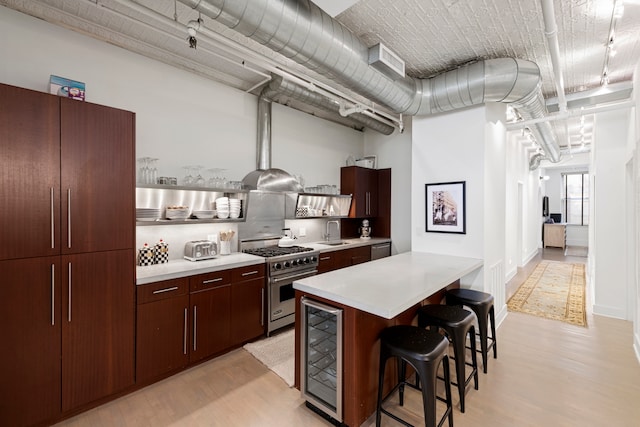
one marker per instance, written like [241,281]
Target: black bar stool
[482,305]
[423,350]
[457,323]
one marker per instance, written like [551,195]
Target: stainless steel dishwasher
[380,250]
[321,361]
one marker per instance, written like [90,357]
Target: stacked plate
[147,214]
[177,212]
[204,214]
[222,207]
[234,208]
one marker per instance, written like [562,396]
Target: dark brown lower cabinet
[358,255]
[98,321]
[210,321]
[186,320]
[162,331]
[329,261]
[30,331]
[247,303]
[67,326]
[342,258]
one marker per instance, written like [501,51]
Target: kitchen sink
[337,243]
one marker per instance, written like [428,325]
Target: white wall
[635,217]
[609,242]
[444,151]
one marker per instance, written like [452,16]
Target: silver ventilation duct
[301,31]
[266,178]
[280,86]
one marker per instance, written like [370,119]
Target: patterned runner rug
[554,290]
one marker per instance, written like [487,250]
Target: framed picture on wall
[445,207]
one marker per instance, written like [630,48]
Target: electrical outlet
[302,232]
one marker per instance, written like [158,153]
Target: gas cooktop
[273,251]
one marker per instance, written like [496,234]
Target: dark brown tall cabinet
[67,254]
[371,200]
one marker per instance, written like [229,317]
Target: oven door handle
[294,276]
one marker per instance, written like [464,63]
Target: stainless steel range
[284,265]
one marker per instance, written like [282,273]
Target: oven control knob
[277,266]
[295,262]
[287,264]
[313,259]
[305,260]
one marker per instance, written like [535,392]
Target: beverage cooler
[321,357]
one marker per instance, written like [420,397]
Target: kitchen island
[373,296]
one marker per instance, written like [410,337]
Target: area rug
[277,354]
[554,290]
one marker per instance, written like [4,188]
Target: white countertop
[347,243]
[389,286]
[183,268]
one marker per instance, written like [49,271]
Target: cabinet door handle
[53,294]
[69,291]
[53,222]
[249,273]
[69,218]
[324,258]
[368,203]
[262,307]
[205,282]
[159,291]
[184,335]
[195,326]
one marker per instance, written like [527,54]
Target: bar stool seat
[457,324]
[424,350]
[482,305]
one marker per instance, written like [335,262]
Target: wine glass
[143,170]
[153,172]
[199,180]
[188,177]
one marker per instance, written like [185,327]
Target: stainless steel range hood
[266,178]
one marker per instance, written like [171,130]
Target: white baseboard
[530,257]
[608,311]
[511,274]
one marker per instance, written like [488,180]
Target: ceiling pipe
[573,113]
[280,86]
[551,32]
[301,31]
[235,49]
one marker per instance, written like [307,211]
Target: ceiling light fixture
[616,15]
[192,31]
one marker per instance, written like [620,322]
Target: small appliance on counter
[197,250]
[365,229]
[287,241]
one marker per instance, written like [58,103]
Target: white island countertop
[389,286]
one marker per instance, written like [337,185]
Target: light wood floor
[548,373]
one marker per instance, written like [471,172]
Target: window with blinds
[575,198]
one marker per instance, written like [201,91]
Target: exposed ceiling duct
[266,178]
[301,31]
[280,86]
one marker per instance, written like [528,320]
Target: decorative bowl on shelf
[207,214]
[177,212]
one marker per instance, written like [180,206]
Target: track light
[192,31]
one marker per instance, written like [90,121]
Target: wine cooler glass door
[321,370]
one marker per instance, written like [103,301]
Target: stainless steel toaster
[197,250]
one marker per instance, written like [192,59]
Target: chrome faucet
[335,235]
